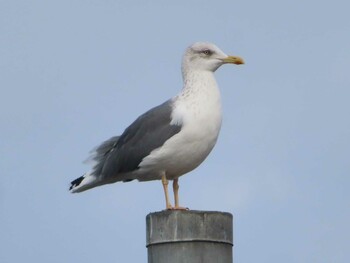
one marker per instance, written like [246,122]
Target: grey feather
[101,153]
[123,154]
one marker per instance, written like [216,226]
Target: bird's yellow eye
[207,52]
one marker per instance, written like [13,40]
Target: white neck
[200,83]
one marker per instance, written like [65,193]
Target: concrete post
[189,237]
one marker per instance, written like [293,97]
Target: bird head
[207,57]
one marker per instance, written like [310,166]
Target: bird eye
[207,52]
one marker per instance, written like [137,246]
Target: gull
[171,139]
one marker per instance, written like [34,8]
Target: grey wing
[122,154]
[100,153]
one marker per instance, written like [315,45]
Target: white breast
[198,109]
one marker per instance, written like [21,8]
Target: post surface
[189,236]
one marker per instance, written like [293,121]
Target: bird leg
[176,195]
[176,192]
[165,187]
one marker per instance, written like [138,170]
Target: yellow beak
[233,60]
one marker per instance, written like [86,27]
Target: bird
[168,140]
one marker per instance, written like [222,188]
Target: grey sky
[74,73]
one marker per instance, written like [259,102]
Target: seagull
[171,139]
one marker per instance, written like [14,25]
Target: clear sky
[74,73]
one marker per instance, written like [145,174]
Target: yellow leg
[176,192]
[165,187]
[176,195]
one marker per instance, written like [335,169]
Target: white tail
[83,183]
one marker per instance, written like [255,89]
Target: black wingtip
[76,182]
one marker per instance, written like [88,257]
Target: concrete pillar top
[171,226]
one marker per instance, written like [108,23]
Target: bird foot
[177,208]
